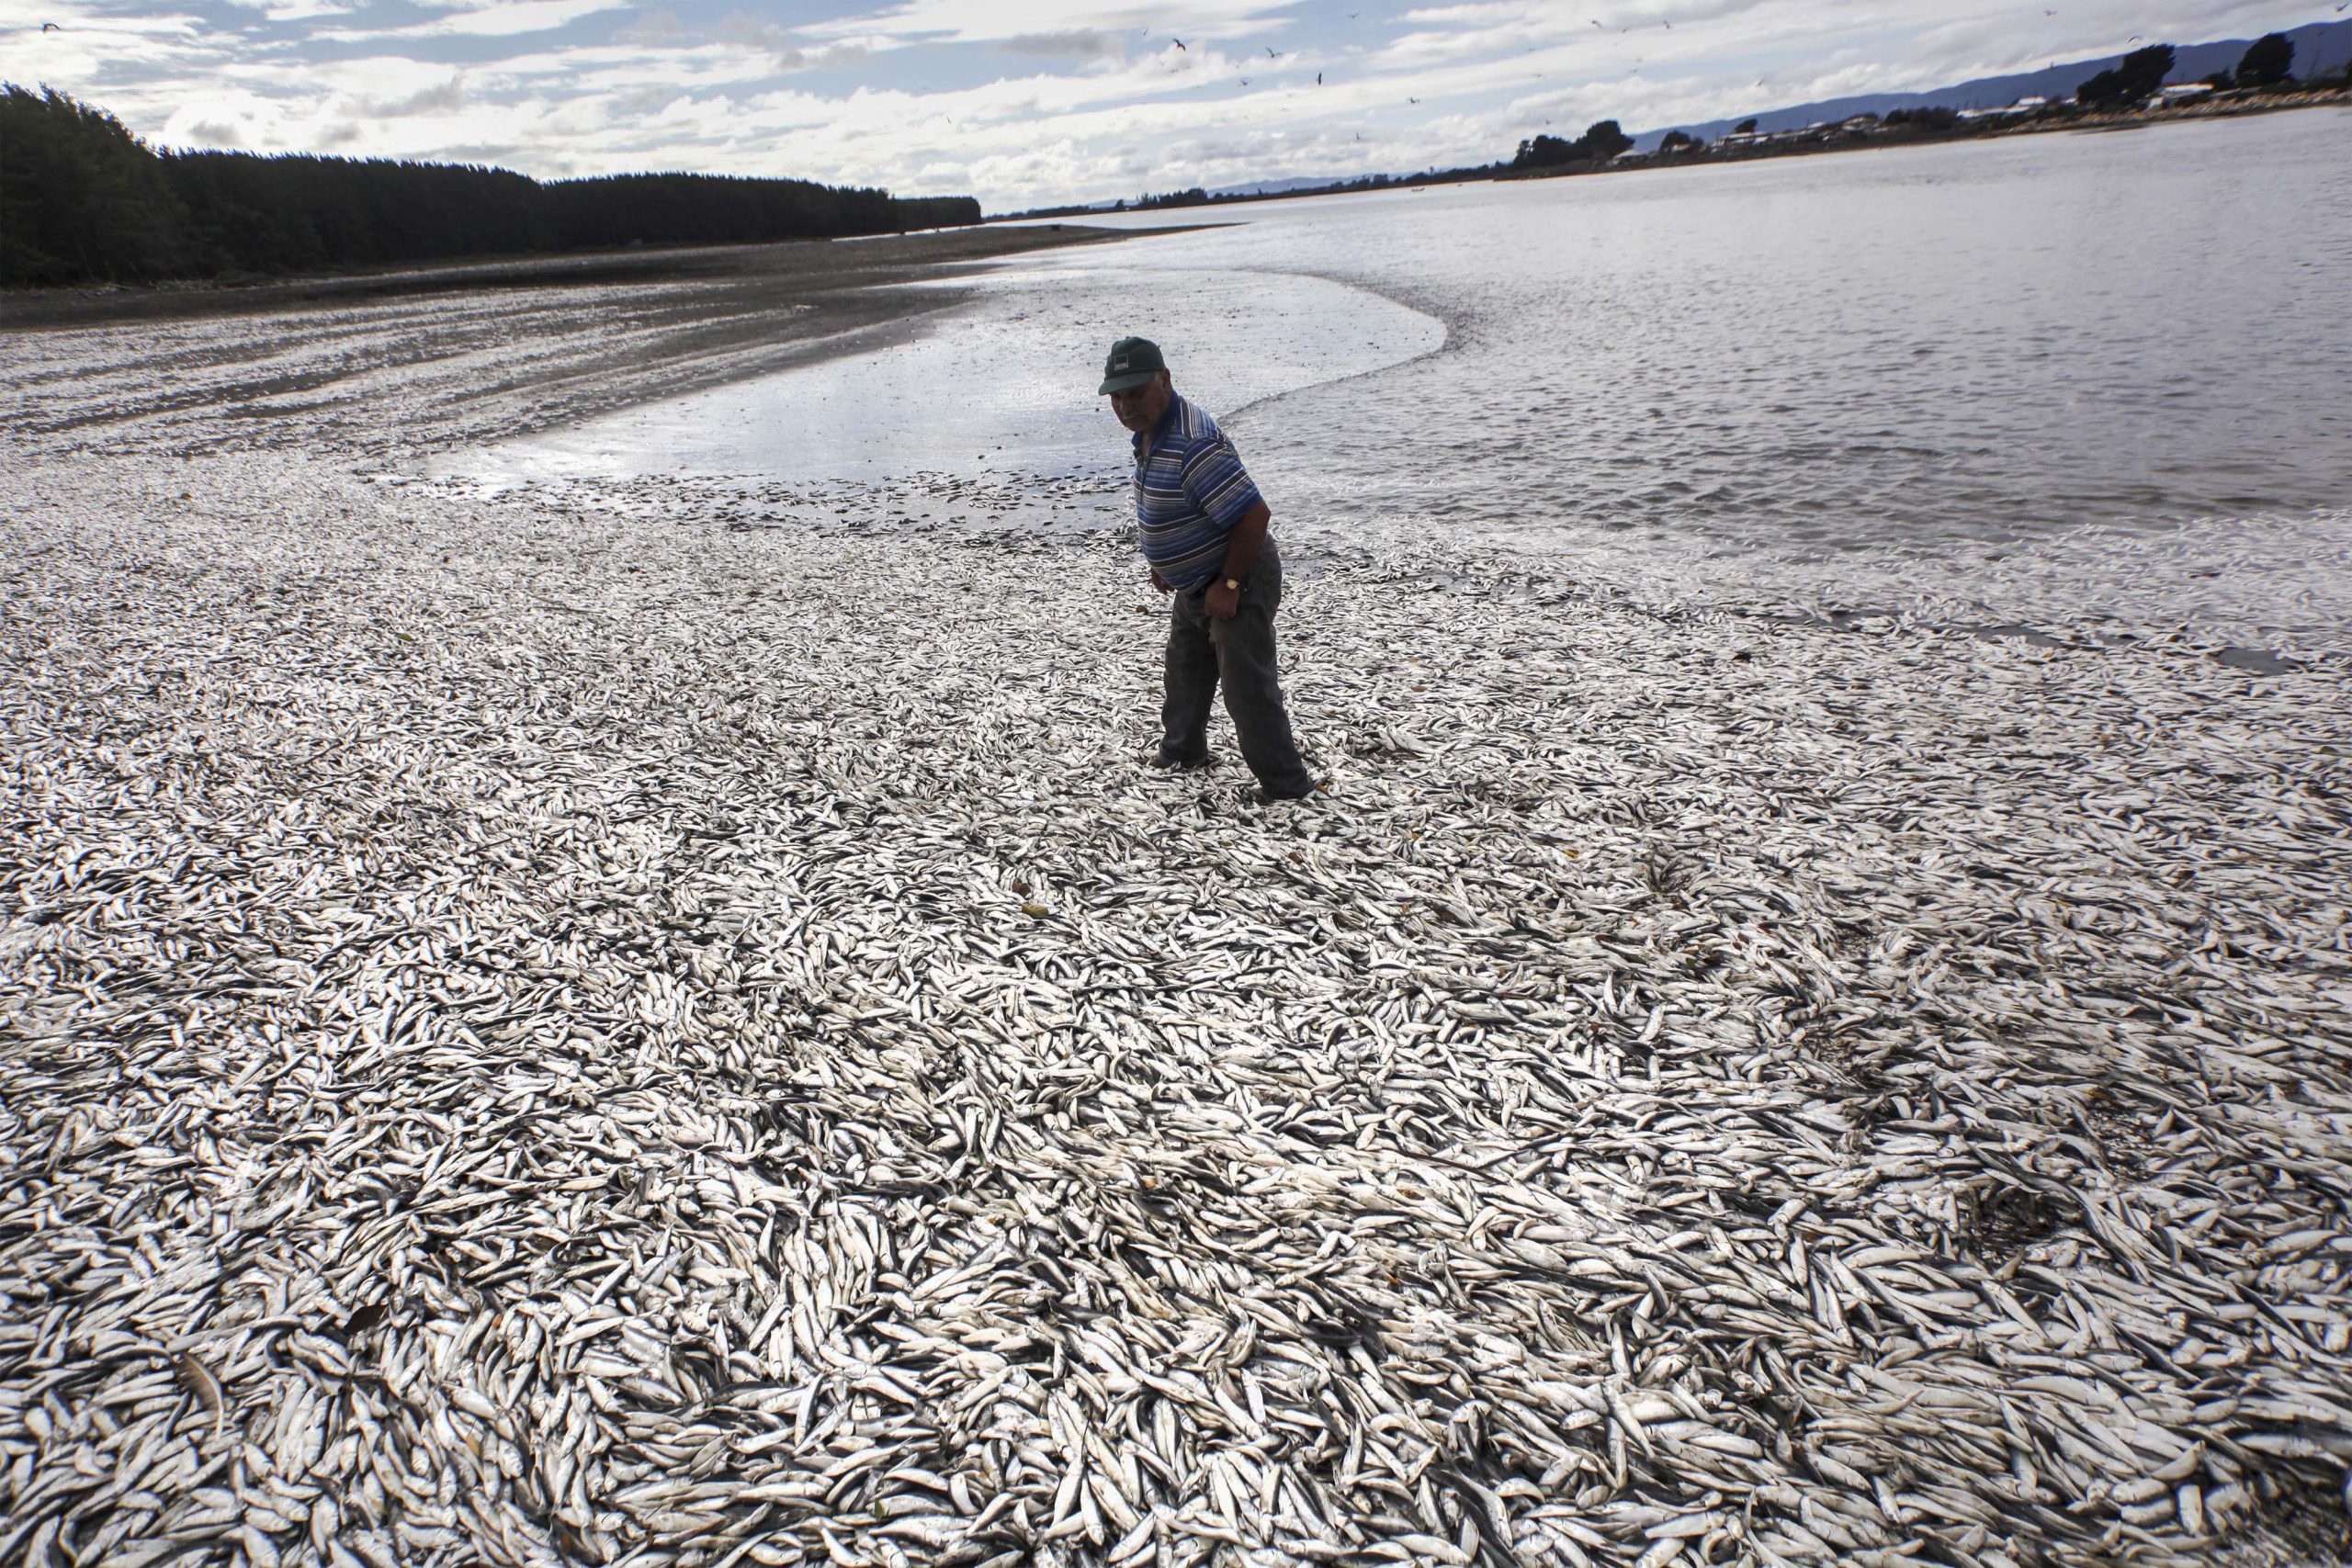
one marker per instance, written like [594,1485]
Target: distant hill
[2320,48]
[1275,188]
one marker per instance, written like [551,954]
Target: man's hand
[1242,547]
[1160,582]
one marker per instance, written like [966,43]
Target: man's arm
[1242,547]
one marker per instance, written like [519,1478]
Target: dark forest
[82,201]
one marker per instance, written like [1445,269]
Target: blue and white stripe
[1191,489]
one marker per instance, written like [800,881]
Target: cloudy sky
[1020,102]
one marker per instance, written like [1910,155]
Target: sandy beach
[661,1021]
[387,363]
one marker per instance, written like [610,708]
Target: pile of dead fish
[553,1028]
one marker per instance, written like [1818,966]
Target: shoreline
[1831,139]
[1834,140]
[619,1016]
[381,368]
[748,273]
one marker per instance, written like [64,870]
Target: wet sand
[383,364]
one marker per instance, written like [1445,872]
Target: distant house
[2007,111]
[2182,92]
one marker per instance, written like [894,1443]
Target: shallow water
[1006,385]
[2051,374]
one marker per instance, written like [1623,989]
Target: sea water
[2052,376]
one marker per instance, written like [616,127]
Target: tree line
[2268,62]
[82,201]
[1602,141]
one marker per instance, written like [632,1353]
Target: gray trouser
[1239,653]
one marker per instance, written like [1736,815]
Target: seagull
[1179,44]
[1273,54]
[1412,100]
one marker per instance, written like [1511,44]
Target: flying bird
[50,27]
[1412,100]
[1318,78]
[1179,44]
[1273,54]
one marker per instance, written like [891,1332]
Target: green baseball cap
[1133,362]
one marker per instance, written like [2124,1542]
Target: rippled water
[1005,387]
[1980,341]
[2088,344]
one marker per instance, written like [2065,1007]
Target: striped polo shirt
[1191,489]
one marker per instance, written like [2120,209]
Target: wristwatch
[1233,584]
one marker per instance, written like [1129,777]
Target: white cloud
[306,10]
[785,52]
[232,121]
[441,97]
[994,21]
[1025,101]
[1081,43]
[505,19]
[513,16]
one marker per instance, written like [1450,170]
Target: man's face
[1140,407]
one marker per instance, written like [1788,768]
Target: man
[1202,525]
